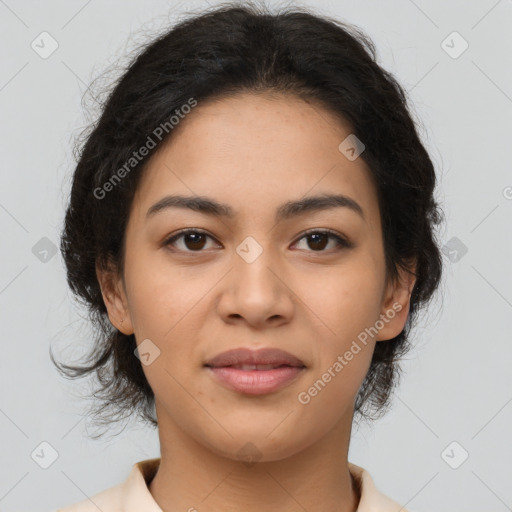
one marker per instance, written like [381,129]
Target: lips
[263,359]
[255,372]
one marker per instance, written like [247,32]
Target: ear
[396,303]
[114,297]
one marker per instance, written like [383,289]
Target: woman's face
[254,279]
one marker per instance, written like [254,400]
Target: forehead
[253,151]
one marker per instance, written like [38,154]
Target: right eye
[193,239]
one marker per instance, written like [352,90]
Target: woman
[251,224]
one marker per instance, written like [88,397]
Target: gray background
[457,381]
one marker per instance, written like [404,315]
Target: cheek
[167,304]
[345,299]
[330,395]
[348,304]
[162,296]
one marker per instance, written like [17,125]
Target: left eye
[319,239]
[194,240]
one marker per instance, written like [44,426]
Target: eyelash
[341,242]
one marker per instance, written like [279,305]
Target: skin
[195,299]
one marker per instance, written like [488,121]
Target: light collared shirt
[133,494]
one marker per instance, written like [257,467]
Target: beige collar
[133,494]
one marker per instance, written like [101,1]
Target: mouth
[252,367]
[255,372]
[265,358]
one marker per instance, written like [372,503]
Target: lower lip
[255,382]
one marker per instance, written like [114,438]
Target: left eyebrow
[209,206]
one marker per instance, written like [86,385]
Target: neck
[191,477]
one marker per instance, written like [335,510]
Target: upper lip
[262,356]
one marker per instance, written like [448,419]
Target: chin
[251,444]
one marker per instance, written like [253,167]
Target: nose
[256,289]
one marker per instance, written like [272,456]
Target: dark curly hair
[220,52]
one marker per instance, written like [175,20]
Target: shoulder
[372,500]
[130,494]
[109,499]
